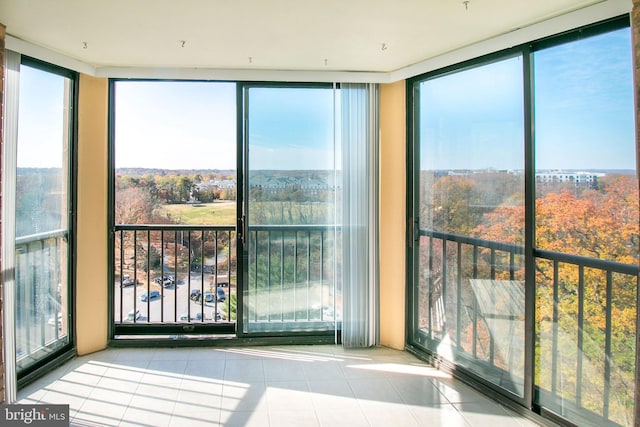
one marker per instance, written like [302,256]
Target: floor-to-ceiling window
[43,203]
[525,205]
[291,210]
[174,187]
[469,292]
[586,209]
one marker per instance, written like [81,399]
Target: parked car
[184,317]
[127,280]
[131,316]
[221,294]
[195,294]
[208,296]
[152,295]
[165,281]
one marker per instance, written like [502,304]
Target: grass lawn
[218,213]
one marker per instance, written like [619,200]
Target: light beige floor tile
[209,354]
[283,370]
[255,418]
[323,370]
[126,354]
[457,392]
[489,414]
[202,385]
[83,378]
[244,397]
[155,417]
[375,390]
[331,389]
[387,414]
[196,419]
[102,413]
[189,401]
[418,391]
[244,370]
[342,417]
[171,354]
[445,415]
[293,419]
[283,396]
[213,369]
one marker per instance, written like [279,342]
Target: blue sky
[192,125]
[291,128]
[584,116]
[470,120]
[40,119]
[175,125]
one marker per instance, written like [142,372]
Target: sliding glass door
[289,218]
[43,202]
[469,284]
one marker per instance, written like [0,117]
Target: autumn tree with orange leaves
[601,224]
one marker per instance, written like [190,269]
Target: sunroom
[456,181]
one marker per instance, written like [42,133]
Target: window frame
[68,350]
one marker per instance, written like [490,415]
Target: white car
[131,316]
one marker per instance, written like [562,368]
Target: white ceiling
[329,35]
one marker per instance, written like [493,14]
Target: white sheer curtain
[359,151]
[11,92]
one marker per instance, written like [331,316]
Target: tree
[182,188]
[133,206]
[601,224]
[451,200]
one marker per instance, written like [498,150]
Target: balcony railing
[183,279]
[585,354]
[293,274]
[174,275]
[40,277]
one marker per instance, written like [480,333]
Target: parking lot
[172,303]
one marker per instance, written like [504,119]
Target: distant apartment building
[578,179]
[225,184]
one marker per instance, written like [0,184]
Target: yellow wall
[392,214]
[91,259]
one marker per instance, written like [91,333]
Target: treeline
[138,195]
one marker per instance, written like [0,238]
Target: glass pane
[587,206]
[175,169]
[291,191]
[42,206]
[470,289]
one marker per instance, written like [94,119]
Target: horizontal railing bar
[303,227]
[41,236]
[172,227]
[600,264]
[175,227]
[490,244]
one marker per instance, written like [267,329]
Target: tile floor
[263,386]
